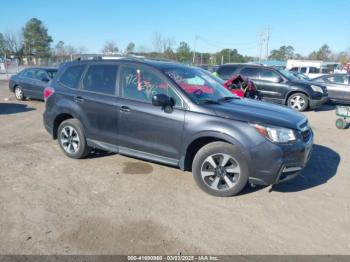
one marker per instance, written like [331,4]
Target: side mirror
[45,79]
[162,100]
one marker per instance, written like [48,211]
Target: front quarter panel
[238,133]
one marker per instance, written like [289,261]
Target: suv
[279,86]
[175,115]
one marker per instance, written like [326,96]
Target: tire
[298,102]
[72,140]
[340,123]
[19,95]
[224,180]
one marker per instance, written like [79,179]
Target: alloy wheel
[220,171]
[297,102]
[19,93]
[69,139]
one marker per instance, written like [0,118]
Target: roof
[155,63]
[42,67]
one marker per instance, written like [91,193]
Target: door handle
[125,109]
[78,99]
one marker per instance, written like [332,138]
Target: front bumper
[273,163]
[315,103]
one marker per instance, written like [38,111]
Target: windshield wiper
[207,101]
[228,98]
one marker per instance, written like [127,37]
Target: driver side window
[142,84]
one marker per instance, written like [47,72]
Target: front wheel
[220,169]
[71,138]
[298,101]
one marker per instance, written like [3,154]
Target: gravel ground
[111,204]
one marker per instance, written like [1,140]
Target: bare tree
[14,42]
[81,49]
[110,48]
[168,44]
[157,42]
[60,51]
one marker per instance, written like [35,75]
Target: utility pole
[267,42]
[262,39]
[194,49]
[229,55]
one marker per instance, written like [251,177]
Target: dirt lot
[110,204]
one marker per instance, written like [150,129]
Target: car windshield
[288,75]
[200,86]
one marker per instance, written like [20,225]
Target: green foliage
[324,53]
[36,41]
[229,56]
[283,53]
[183,52]
[130,48]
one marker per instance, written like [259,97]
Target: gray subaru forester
[176,115]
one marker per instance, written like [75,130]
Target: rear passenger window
[303,70]
[101,79]
[314,70]
[250,72]
[30,73]
[72,75]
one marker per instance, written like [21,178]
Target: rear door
[99,102]
[39,83]
[225,72]
[266,87]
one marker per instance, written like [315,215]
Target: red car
[242,87]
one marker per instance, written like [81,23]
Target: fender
[66,106]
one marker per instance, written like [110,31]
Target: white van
[310,71]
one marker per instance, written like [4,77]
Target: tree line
[33,43]
[324,53]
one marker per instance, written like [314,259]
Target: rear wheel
[71,138]
[220,169]
[298,101]
[340,123]
[19,93]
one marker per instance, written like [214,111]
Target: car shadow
[326,107]
[97,153]
[13,108]
[322,166]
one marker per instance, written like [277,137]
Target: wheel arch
[200,140]
[295,92]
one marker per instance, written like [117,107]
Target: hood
[306,82]
[259,112]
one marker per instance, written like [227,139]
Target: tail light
[48,91]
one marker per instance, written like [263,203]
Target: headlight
[317,89]
[276,134]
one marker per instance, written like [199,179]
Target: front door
[146,129]
[338,88]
